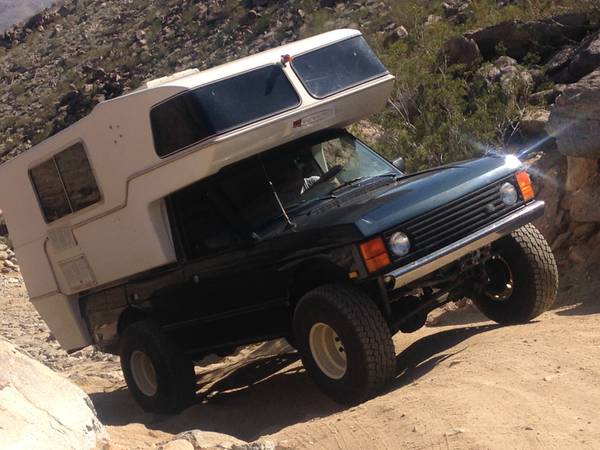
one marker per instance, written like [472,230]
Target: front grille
[454,220]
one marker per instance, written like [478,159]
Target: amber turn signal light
[375,254]
[525,186]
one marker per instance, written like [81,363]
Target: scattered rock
[560,241]
[579,254]
[533,121]
[394,36]
[515,80]
[432,19]
[457,11]
[454,431]
[249,18]
[582,231]
[547,96]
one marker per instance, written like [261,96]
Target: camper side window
[219,107]
[65,183]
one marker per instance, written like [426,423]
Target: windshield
[311,171]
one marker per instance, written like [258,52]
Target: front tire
[158,375]
[345,343]
[522,278]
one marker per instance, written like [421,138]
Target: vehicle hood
[375,211]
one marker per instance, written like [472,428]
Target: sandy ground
[465,383]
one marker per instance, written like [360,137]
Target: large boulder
[549,172]
[41,409]
[581,172]
[533,121]
[457,11]
[575,118]
[584,60]
[461,50]
[583,204]
[543,37]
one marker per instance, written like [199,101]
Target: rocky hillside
[13,11]
[472,76]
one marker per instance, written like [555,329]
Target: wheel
[344,342]
[522,278]
[158,375]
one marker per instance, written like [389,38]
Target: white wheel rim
[143,373]
[328,350]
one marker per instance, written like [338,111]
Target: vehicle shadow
[425,354]
[272,393]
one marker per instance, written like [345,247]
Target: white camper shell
[85,208]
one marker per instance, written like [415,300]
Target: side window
[65,183]
[245,187]
[77,176]
[204,229]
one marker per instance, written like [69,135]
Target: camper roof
[193,77]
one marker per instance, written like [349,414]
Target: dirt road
[465,383]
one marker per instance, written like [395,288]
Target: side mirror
[399,164]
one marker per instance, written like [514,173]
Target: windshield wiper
[356,180]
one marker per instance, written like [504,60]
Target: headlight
[508,194]
[399,244]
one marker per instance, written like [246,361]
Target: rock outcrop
[208,440]
[461,50]
[41,409]
[542,37]
[515,80]
[581,62]
[575,118]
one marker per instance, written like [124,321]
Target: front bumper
[444,256]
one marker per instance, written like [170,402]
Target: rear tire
[524,263]
[159,376]
[345,343]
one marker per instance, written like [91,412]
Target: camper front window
[337,67]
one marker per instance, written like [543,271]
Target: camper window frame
[235,127]
[331,44]
[63,185]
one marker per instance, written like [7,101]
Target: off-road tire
[175,379]
[534,273]
[371,359]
